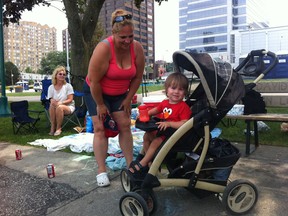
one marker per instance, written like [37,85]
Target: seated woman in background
[60,94]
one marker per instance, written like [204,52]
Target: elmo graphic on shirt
[167,112]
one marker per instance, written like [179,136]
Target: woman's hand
[102,111]
[54,102]
[126,104]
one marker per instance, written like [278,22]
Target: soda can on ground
[18,154]
[50,171]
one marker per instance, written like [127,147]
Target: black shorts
[112,102]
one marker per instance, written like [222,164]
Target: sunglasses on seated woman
[62,74]
[122,18]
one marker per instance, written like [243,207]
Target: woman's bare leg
[100,144]
[125,135]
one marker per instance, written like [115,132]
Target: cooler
[153,101]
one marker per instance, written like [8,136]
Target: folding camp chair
[44,98]
[21,121]
[72,118]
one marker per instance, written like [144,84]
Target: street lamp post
[67,54]
[4,110]
[12,84]
[12,75]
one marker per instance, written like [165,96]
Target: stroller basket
[218,163]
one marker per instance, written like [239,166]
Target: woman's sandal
[57,133]
[102,179]
[137,174]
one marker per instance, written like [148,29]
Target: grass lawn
[7,135]
[233,133]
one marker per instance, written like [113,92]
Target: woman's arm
[135,82]
[50,96]
[140,64]
[68,100]
[98,66]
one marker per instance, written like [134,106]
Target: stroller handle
[261,53]
[274,61]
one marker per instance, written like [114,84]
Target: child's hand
[163,125]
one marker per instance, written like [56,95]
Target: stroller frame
[140,192]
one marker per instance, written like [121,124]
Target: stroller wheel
[132,203]
[150,199]
[240,196]
[126,183]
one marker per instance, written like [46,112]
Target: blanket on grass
[84,142]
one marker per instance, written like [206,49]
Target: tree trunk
[81,28]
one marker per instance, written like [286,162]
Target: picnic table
[273,117]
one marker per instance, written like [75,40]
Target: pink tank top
[117,80]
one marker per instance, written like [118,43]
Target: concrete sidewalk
[26,190]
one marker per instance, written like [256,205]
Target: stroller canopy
[221,84]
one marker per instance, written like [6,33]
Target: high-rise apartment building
[27,43]
[206,25]
[66,40]
[143,19]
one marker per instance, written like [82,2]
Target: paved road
[37,98]
[19,98]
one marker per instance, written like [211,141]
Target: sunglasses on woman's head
[122,18]
[61,74]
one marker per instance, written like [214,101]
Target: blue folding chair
[44,98]
[21,120]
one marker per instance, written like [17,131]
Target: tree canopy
[11,73]
[51,61]
[12,10]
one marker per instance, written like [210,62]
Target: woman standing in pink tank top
[114,75]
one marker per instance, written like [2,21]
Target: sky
[166,23]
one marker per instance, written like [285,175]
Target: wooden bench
[254,118]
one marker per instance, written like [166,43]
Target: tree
[11,73]
[13,9]
[51,61]
[82,16]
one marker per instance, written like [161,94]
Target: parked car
[24,84]
[37,86]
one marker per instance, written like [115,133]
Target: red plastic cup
[143,113]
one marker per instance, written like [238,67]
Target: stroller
[219,89]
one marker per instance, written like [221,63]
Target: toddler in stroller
[175,113]
[220,87]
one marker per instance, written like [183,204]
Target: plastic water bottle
[89,123]
[134,113]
